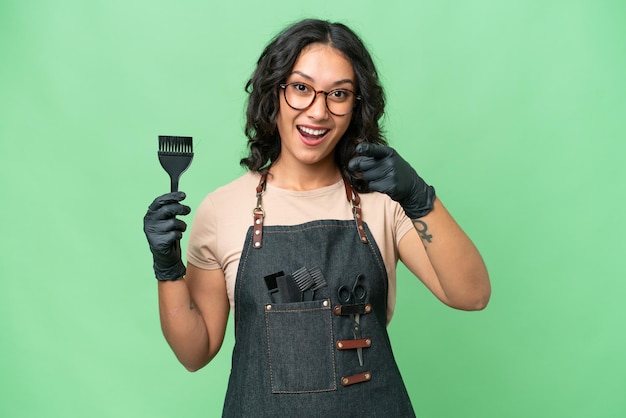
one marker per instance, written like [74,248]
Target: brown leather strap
[360,308]
[356,378]
[257,237]
[353,344]
[355,201]
[258,213]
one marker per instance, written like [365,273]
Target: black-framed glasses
[301,96]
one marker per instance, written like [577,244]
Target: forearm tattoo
[422,230]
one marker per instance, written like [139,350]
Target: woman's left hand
[387,172]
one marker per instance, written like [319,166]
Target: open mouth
[312,135]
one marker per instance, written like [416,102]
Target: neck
[303,178]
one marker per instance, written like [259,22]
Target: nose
[318,109]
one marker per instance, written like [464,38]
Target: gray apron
[315,353]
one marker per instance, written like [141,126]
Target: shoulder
[383,213]
[234,200]
[245,184]
[380,202]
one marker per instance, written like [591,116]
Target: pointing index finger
[372,150]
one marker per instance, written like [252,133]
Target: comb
[175,155]
[303,279]
[318,279]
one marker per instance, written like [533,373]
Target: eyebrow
[336,83]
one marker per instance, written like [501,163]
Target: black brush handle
[176,165]
[174,188]
[174,184]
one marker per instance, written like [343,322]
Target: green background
[514,110]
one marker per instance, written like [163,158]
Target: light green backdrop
[514,110]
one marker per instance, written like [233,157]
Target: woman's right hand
[164,231]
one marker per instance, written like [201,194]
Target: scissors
[355,295]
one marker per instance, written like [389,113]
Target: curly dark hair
[273,68]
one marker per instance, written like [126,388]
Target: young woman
[303,247]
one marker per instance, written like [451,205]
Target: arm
[437,250]
[446,261]
[194,312]
[193,303]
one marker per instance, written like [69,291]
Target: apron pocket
[300,347]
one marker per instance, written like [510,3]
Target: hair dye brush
[175,155]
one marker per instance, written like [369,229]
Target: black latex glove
[164,232]
[387,172]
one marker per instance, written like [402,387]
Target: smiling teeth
[316,132]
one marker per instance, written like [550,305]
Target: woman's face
[309,136]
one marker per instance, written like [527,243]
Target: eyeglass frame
[326,93]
